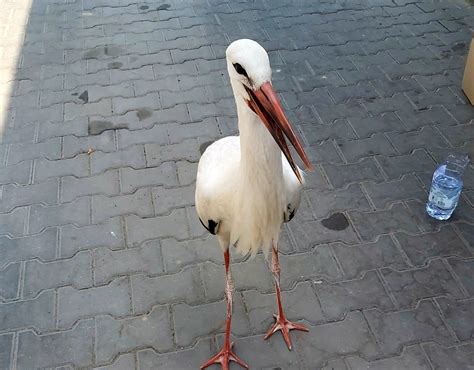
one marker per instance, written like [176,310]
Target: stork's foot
[281,323]
[224,357]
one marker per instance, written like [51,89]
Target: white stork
[248,185]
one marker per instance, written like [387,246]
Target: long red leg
[281,323]
[226,355]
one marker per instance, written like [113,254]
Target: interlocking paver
[35,313]
[75,346]
[420,248]
[412,357]
[9,281]
[15,196]
[107,109]
[117,336]
[109,264]
[73,239]
[113,299]
[411,285]
[339,298]
[41,276]
[395,329]
[455,357]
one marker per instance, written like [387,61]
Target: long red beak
[265,103]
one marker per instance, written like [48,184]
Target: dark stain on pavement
[84,97]
[114,65]
[163,7]
[97,127]
[101,51]
[144,7]
[337,221]
[143,113]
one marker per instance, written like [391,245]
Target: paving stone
[319,263]
[185,359]
[382,194]
[118,336]
[184,286]
[77,166]
[109,264]
[123,362]
[344,174]
[139,203]
[464,270]
[73,110]
[457,134]
[426,117]
[420,248]
[12,196]
[133,157]
[42,246]
[140,229]
[19,152]
[77,213]
[180,254]
[123,105]
[300,304]
[313,233]
[37,313]
[73,239]
[207,128]
[366,127]
[74,347]
[41,276]
[164,200]
[17,174]
[339,129]
[13,223]
[9,281]
[450,358]
[467,231]
[458,315]
[131,179]
[442,95]
[354,150]
[157,134]
[396,329]
[326,203]
[412,285]
[339,298]
[6,344]
[426,137]
[186,172]
[356,259]
[213,318]
[106,183]
[412,357]
[350,109]
[331,340]
[112,299]
[186,150]
[73,145]
[323,152]
[396,218]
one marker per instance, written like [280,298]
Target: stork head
[250,74]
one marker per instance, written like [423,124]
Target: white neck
[260,154]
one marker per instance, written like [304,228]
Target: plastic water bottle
[446,187]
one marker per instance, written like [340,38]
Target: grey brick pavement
[106,107]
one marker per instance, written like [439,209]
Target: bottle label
[440,200]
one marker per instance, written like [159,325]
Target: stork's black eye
[240,70]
